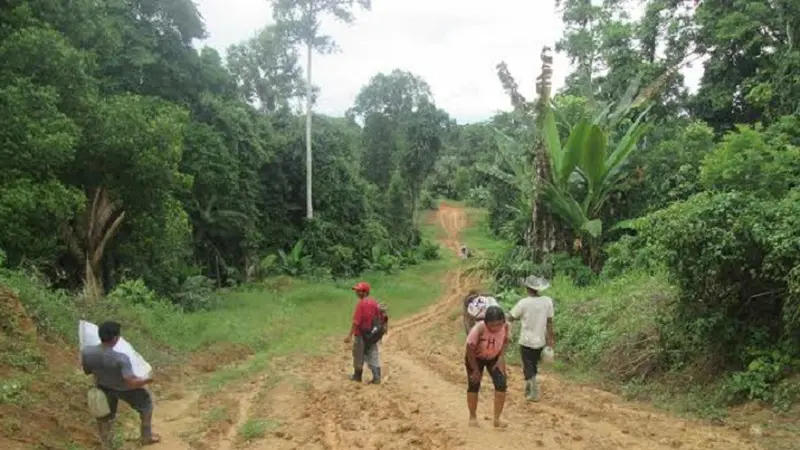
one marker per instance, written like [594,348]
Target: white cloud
[453,44]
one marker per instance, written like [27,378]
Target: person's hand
[475,376]
[501,364]
[348,339]
[551,343]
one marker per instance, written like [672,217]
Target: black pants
[530,361]
[138,399]
[498,378]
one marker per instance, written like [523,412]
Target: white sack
[87,336]
[477,306]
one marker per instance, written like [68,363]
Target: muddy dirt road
[422,403]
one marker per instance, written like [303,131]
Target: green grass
[477,236]
[256,429]
[301,316]
[610,327]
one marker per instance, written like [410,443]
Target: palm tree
[87,239]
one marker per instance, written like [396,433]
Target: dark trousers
[138,399]
[530,361]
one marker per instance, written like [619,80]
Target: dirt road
[422,403]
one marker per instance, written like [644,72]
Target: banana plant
[586,157]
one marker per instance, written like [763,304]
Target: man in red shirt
[365,312]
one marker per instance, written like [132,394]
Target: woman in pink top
[486,344]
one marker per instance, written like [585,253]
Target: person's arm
[86,369]
[501,361]
[131,380]
[472,347]
[356,321]
[515,312]
[551,333]
[507,339]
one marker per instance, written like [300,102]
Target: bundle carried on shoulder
[478,305]
[88,336]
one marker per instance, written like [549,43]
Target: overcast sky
[453,44]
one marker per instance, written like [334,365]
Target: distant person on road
[463,252]
[475,305]
[536,313]
[368,327]
[113,375]
[486,346]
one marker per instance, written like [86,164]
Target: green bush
[430,251]
[427,201]
[197,293]
[735,259]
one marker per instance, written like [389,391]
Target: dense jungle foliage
[133,161]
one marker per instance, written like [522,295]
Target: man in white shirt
[536,313]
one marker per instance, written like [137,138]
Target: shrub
[733,257]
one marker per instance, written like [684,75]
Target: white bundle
[88,336]
[478,306]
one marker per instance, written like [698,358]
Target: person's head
[535,285]
[361,289]
[494,318]
[109,333]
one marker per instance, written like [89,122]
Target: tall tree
[266,70]
[395,95]
[299,21]
[541,234]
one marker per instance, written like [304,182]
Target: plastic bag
[548,355]
[98,403]
[87,336]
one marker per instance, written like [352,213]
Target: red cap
[361,286]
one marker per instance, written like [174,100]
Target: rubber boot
[536,395]
[376,376]
[106,429]
[356,376]
[532,390]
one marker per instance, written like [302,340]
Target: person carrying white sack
[114,377]
[536,334]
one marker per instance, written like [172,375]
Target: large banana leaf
[552,141]
[572,153]
[593,160]
[569,210]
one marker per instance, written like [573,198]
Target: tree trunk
[541,236]
[309,203]
[92,285]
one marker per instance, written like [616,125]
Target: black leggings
[498,378]
[530,361]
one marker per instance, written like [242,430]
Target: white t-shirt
[533,312]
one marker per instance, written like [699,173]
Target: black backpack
[380,323]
